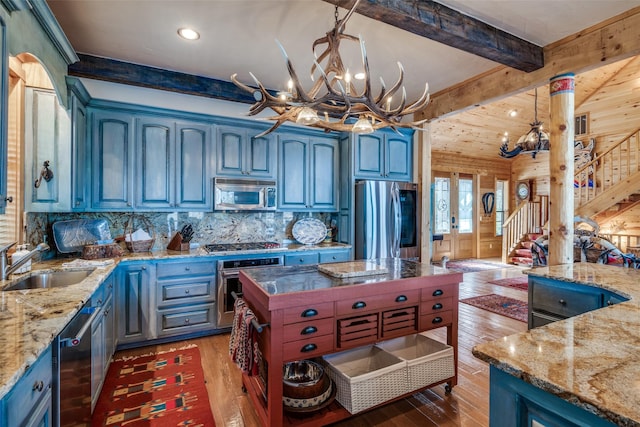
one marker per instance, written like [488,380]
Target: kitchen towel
[243,343]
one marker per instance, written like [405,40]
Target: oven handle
[74,341]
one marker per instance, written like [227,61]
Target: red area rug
[513,282]
[473,265]
[499,304]
[164,390]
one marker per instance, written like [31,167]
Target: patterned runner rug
[513,282]
[499,304]
[165,389]
[473,265]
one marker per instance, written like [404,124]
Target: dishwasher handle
[74,341]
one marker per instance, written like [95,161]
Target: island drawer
[436,292]
[187,291]
[399,322]
[309,312]
[563,301]
[301,258]
[334,256]
[310,329]
[310,347]
[436,320]
[358,330]
[185,269]
[183,320]
[376,302]
[436,306]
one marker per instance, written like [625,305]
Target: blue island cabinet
[516,403]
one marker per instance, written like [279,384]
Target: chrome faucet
[6,269]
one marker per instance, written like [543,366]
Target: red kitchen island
[307,313]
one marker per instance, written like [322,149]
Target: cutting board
[352,269]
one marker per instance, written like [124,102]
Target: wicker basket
[428,361]
[134,223]
[366,377]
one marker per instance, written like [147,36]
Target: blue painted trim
[561,76]
[4,96]
[77,88]
[50,25]
[14,5]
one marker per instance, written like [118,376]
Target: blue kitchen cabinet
[323,256]
[308,173]
[112,160]
[133,307]
[239,153]
[4,97]
[29,403]
[102,337]
[193,166]
[47,140]
[154,148]
[384,155]
[78,99]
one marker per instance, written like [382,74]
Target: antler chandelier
[333,103]
[534,141]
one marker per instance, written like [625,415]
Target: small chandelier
[334,103]
[531,142]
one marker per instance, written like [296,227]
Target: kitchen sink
[54,279]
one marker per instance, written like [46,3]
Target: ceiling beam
[111,70]
[610,41]
[437,22]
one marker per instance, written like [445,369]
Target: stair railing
[607,169]
[528,217]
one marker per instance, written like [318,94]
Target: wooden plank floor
[468,404]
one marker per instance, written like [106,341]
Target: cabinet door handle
[437,293]
[401,298]
[562,302]
[186,291]
[186,320]
[309,330]
[310,312]
[144,268]
[437,320]
[437,306]
[38,386]
[187,268]
[308,347]
[358,305]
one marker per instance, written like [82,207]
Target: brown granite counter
[591,360]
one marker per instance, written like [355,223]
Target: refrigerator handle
[395,190]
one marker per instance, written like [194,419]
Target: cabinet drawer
[356,331]
[436,306]
[305,330]
[198,289]
[306,313]
[334,256]
[185,269]
[33,386]
[307,348]
[183,320]
[436,292]
[436,320]
[564,302]
[376,302]
[301,258]
[402,321]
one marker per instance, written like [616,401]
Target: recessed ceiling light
[513,113]
[188,34]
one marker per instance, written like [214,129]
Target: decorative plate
[309,231]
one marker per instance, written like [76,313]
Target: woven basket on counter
[135,223]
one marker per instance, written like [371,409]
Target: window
[442,208]
[465,205]
[502,204]
[582,124]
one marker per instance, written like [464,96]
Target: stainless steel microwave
[244,195]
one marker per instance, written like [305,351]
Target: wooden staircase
[517,232]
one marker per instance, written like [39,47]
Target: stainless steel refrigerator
[387,220]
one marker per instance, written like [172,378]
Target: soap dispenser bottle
[20,253]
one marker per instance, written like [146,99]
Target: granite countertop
[284,280]
[591,360]
[31,319]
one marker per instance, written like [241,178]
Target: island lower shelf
[314,323]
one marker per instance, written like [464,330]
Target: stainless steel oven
[244,195]
[228,281]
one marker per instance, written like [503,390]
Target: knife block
[176,243]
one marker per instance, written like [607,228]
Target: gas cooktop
[240,246]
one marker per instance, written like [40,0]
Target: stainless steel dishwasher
[72,370]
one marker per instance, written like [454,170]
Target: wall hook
[45,173]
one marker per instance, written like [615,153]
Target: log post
[561,167]
[424,178]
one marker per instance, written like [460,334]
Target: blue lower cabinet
[516,403]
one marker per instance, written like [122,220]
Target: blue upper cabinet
[307,173]
[112,160]
[4,86]
[384,155]
[240,154]
[154,146]
[193,166]
[78,99]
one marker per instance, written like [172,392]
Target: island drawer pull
[437,292]
[437,306]
[309,330]
[401,298]
[310,312]
[563,302]
[38,386]
[437,320]
[358,305]
[308,347]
